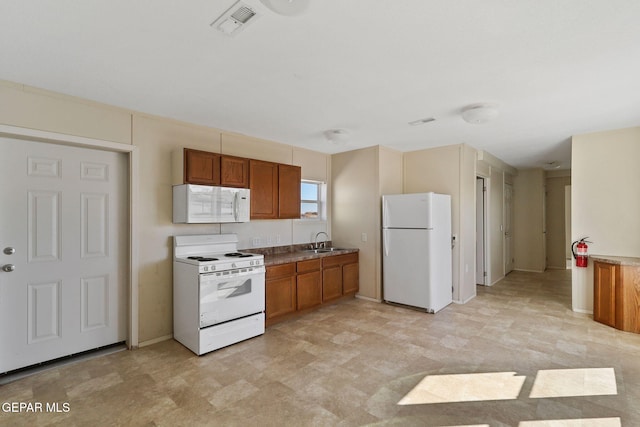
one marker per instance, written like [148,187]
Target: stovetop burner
[202,258]
[238,255]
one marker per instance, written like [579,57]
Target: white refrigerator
[416,250]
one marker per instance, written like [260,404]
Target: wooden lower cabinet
[331,282]
[340,276]
[616,295]
[351,277]
[280,290]
[300,286]
[309,283]
[606,276]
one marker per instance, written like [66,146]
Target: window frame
[319,200]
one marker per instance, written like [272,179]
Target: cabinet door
[309,290]
[201,167]
[280,296]
[331,283]
[350,278]
[289,191]
[606,277]
[263,182]
[234,172]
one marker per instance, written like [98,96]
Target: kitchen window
[312,195]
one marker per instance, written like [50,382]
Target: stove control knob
[205,268]
[233,265]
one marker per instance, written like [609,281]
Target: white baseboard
[528,271]
[155,340]
[578,310]
[465,301]
[368,298]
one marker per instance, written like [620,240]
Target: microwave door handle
[235,206]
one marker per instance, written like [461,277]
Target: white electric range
[218,292]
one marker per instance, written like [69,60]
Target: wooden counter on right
[616,292]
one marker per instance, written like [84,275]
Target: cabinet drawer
[339,260]
[281,270]
[309,265]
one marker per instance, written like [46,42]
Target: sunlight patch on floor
[465,388]
[574,382]
[583,422]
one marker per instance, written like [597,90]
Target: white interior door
[480,203]
[508,233]
[63,233]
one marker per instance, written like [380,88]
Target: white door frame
[481,239]
[132,153]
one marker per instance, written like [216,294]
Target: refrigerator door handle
[385,213]
[385,241]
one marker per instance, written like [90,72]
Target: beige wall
[450,170]
[390,164]
[354,211]
[467,237]
[359,179]
[528,221]
[605,201]
[156,138]
[33,108]
[556,181]
[495,226]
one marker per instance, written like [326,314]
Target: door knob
[8,268]
[9,250]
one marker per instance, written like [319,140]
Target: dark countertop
[619,260]
[284,258]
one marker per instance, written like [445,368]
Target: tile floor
[351,363]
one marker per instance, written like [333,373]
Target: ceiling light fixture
[552,165]
[479,113]
[287,7]
[422,121]
[337,136]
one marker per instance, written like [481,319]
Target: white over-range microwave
[198,204]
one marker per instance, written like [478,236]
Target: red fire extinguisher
[580,252]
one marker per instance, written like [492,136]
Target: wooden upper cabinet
[263,182]
[289,191]
[275,187]
[234,172]
[201,167]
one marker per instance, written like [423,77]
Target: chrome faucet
[324,242]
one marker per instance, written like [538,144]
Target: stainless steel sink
[323,250]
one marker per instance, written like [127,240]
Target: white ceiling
[555,68]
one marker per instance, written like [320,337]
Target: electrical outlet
[363,237]
[256,241]
[278,238]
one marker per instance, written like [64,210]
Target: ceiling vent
[235,19]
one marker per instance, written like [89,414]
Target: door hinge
[484,274]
